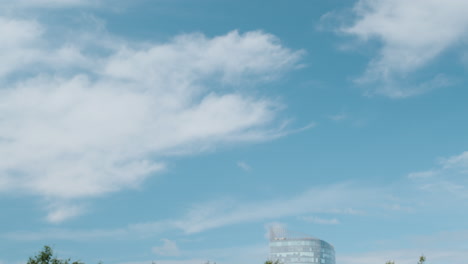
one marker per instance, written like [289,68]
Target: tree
[272,262]
[46,256]
[422,259]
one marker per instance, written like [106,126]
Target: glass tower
[299,250]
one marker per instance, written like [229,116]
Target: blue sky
[179,131]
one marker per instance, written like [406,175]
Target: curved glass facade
[301,251]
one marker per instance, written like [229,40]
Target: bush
[46,256]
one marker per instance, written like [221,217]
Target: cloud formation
[412,34]
[449,176]
[341,199]
[80,120]
[335,199]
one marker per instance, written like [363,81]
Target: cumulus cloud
[412,34]
[17,45]
[79,121]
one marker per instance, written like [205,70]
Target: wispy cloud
[75,125]
[318,199]
[63,211]
[334,199]
[422,174]
[449,176]
[319,205]
[412,34]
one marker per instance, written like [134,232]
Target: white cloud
[18,39]
[459,162]
[169,248]
[75,125]
[449,176]
[61,212]
[334,199]
[330,199]
[412,34]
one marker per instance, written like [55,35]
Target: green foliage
[422,259]
[272,262]
[46,256]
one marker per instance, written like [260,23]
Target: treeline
[46,256]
